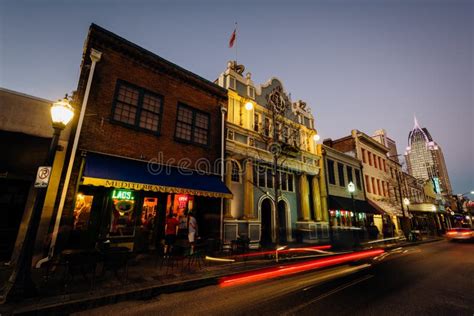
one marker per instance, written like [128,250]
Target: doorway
[266,222]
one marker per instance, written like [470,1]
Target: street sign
[42,177]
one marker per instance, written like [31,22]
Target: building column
[248,190]
[316,198]
[304,197]
[323,192]
[228,182]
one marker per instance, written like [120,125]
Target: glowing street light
[61,113]
[316,137]
[249,106]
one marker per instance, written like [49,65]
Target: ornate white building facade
[250,158]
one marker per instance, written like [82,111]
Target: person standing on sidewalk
[192,230]
[171,230]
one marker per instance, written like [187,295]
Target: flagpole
[236,42]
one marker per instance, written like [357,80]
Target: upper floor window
[192,125]
[256,122]
[363,156]
[358,183]
[340,169]
[137,107]
[235,175]
[349,173]
[331,175]
[251,92]
[367,184]
[369,156]
[267,127]
[375,161]
[231,83]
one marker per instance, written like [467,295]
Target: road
[430,279]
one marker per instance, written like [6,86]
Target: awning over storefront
[342,203]
[385,208]
[110,171]
[423,207]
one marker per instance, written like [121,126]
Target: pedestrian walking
[171,230]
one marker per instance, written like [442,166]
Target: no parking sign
[42,177]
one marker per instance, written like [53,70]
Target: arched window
[235,175]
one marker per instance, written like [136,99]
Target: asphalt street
[430,279]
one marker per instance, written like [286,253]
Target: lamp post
[21,281]
[406,202]
[351,189]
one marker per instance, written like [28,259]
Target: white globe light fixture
[316,137]
[351,187]
[406,201]
[249,106]
[61,113]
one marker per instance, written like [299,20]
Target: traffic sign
[42,177]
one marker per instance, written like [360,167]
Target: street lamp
[22,284]
[249,106]
[351,189]
[406,202]
[316,137]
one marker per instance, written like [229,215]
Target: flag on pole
[232,38]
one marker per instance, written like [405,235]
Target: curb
[69,303]
[61,307]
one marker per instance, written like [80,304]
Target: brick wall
[101,134]
[344,145]
[125,61]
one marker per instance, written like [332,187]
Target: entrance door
[282,220]
[266,222]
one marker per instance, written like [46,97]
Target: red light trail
[270,273]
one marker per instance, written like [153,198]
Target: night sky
[358,64]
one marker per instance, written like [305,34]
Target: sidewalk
[146,278]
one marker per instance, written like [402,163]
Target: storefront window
[148,213]
[345,218]
[122,219]
[180,204]
[82,211]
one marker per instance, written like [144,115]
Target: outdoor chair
[83,261]
[116,259]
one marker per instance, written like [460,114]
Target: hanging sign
[42,177]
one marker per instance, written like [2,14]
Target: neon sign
[122,195]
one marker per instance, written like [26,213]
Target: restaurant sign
[118,184]
[122,195]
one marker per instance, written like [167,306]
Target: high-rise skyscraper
[425,159]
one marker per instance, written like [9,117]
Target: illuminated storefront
[132,213]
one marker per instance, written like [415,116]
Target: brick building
[379,188]
[150,143]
